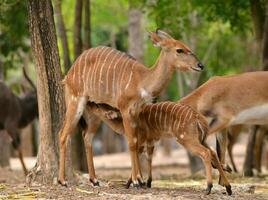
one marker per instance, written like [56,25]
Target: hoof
[136,184]
[149,182]
[229,189]
[62,183]
[129,181]
[208,190]
[141,182]
[95,183]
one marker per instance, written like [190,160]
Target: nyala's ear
[158,37]
[163,34]
[155,38]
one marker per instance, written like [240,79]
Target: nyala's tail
[62,82]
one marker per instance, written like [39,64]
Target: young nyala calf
[165,119]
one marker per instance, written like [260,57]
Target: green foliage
[219,32]
[14,34]
[235,12]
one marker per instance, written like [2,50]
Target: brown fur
[105,75]
[223,98]
[167,119]
[16,113]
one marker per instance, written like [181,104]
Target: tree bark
[49,90]
[78,152]
[1,71]
[87,26]
[77,28]
[62,34]
[135,34]
[260,21]
[258,17]
[265,41]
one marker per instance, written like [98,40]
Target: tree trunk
[248,164]
[87,26]
[257,15]
[260,21]
[1,71]
[4,149]
[77,28]
[49,91]
[265,41]
[62,34]
[78,152]
[135,34]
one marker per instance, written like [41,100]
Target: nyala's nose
[200,65]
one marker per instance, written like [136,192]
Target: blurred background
[227,36]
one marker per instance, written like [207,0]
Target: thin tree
[77,37]
[135,33]
[78,157]
[87,25]
[62,35]
[259,15]
[50,93]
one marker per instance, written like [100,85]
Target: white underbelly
[256,115]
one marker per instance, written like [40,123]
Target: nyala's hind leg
[74,111]
[89,130]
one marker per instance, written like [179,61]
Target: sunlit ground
[171,180]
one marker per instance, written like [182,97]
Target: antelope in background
[105,75]
[16,113]
[165,119]
[231,100]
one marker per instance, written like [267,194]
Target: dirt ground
[170,182]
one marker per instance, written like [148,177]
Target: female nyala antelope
[231,100]
[166,119]
[105,75]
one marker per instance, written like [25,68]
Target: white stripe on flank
[95,73]
[108,72]
[74,69]
[79,70]
[165,120]
[130,77]
[177,110]
[181,107]
[92,86]
[191,113]
[90,68]
[170,115]
[84,73]
[186,117]
[122,75]
[90,72]
[161,113]
[113,82]
[181,115]
[104,62]
[149,117]
[156,117]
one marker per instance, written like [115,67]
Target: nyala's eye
[179,50]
